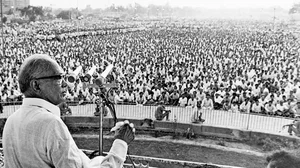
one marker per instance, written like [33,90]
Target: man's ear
[34,85]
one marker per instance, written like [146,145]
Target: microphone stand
[101,116]
[103,101]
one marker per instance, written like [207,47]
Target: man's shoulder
[39,117]
[46,117]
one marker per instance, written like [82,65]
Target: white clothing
[35,136]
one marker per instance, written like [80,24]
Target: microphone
[101,81]
[72,76]
[88,76]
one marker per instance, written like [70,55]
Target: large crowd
[239,66]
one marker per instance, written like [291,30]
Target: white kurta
[35,136]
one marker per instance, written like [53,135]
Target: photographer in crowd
[161,113]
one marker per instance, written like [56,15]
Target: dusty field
[197,150]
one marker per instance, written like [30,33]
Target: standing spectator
[200,96]
[157,93]
[226,102]
[197,115]
[192,102]
[174,98]
[140,99]
[182,101]
[131,97]
[126,95]
[218,102]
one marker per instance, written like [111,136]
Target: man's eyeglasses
[54,77]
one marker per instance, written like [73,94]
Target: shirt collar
[43,104]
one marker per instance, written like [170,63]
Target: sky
[286,4]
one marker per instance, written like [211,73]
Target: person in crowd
[256,91]
[81,98]
[235,99]
[294,127]
[192,102]
[123,95]
[70,97]
[156,93]
[234,107]
[200,95]
[245,106]
[243,97]
[182,101]
[149,98]
[140,99]
[270,109]
[226,102]
[131,97]
[161,113]
[281,109]
[289,104]
[117,98]
[218,102]
[4,97]
[256,107]
[35,135]
[91,97]
[207,103]
[197,115]
[164,98]
[296,110]
[174,98]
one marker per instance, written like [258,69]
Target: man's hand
[168,111]
[124,131]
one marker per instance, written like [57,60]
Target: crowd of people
[239,66]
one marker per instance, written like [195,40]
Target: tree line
[33,13]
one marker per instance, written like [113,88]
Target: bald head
[35,66]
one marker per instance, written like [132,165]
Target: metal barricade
[246,121]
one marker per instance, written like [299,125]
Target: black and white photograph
[150,84]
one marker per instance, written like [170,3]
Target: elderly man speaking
[35,136]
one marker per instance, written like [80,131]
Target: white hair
[34,66]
